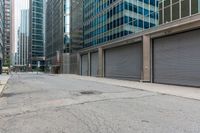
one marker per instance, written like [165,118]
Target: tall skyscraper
[66,24]
[8,13]
[13,34]
[36,33]
[57,30]
[23,38]
[76,28]
[1,32]
[107,20]
[17,55]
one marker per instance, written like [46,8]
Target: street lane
[46,103]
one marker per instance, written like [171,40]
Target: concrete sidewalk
[180,91]
[3,81]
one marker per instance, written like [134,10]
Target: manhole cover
[90,92]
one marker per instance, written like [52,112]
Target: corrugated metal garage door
[177,59]
[94,64]
[84,65]
[124,62]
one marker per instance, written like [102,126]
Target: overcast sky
[19,5]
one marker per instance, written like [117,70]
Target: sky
[19,5]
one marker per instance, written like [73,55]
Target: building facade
[76,29]
[57,31]
[167,53]
[17,57]
[12,58]
[23,39]
[8,13]
[107,20]
[1,32]
[67,46]
[111,19]
[36,34]
[171,10]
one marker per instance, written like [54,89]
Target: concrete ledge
[145,81]
[3,81]
[180,91]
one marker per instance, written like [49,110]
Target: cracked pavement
[56,104]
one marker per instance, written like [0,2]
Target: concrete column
[67,59]
[78,64]
[101,62]
[146,59]
[89,64]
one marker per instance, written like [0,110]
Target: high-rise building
[107,20]
[17,55]
[1,32]
[12,58]
[76,28]
[36,34]
[57,30]
[16,62]
[23,38]
[170,10]
[66,24]
[8,13]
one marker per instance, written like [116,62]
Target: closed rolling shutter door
[177,59]
[84,65]
[124,62]
[94,64]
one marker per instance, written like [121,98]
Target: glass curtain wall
[76,28]
[36,49]
[37,28]
[107,20]
[170,10]
[67,25]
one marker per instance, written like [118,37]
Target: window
[185,8]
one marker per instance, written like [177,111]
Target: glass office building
[57,33]
[170,10]
[66,5]
[107,20]
[23,38]
[54,28]
[57,27]
[36,32]
[76,28]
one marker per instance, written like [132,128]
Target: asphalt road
[59,104]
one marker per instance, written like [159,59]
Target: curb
[173,90]
[2,89]
[3,86]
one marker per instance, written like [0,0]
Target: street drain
[90,92]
